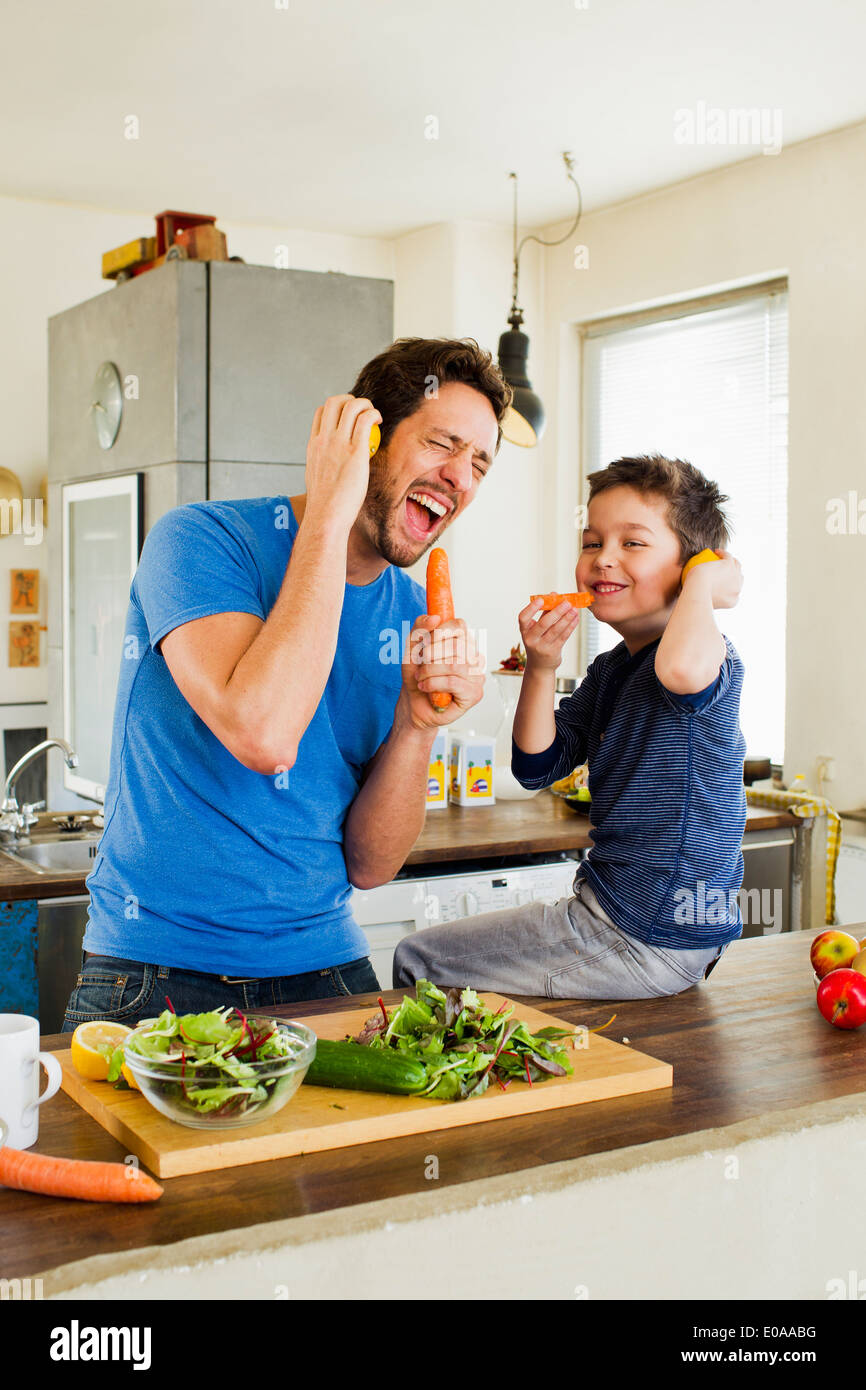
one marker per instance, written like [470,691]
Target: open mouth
[605,588]
[425,511]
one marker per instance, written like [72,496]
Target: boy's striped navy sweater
[668,806]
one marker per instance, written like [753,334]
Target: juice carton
[437,781]
[472,769]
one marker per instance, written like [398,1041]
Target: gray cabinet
[222,366]
[280,342]
[155,330]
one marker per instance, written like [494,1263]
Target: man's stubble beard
[376,513]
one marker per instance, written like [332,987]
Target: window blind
[711,386]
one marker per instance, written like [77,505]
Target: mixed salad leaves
[212,1055]
[465,1045]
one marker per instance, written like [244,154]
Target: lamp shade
[524,423]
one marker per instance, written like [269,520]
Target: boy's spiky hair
[694,503]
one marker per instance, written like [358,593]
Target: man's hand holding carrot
[442,657]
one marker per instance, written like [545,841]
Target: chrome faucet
[15,822]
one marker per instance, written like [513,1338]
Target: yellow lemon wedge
[702,558]
[129,1078]
[375,439]
[92,1046]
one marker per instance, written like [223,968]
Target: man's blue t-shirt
[204,864]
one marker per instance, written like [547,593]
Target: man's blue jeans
[126,991]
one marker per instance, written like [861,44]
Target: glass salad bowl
[218,1070]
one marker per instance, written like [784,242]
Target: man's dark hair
[401,378]
[694,503]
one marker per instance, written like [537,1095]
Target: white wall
[800,213]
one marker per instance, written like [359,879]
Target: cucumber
[354,1067]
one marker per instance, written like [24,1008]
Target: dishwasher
[429,894]
[61,926]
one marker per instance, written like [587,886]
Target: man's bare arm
[257,684]
[387,815]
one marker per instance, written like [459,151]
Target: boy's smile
[630,560]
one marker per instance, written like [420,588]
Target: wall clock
[106,406]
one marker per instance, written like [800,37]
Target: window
[708,382]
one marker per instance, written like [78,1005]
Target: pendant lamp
[525,420]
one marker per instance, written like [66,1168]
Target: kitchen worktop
[540,824]
[747,1047]
[544,822]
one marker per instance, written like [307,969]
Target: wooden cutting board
[319,1117]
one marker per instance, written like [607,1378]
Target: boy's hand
[545,639]
[442,656]
[723,579]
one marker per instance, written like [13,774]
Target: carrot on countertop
[554,600]
[440,603]
[74,1177]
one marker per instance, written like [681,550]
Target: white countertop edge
[81,1278]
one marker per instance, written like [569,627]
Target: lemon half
[702,558]
[93,1044]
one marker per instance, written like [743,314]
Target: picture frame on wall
[24,592]
[102,536]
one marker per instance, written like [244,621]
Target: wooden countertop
[17,883]
[545,822]
[744,1043]
[541,824]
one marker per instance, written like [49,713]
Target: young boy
[657,718]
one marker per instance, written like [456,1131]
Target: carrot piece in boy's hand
[440,603]
[550,601]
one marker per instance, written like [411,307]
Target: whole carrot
[71,1177]
[554,600]
[440,603]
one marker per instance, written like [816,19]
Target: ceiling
[314,115]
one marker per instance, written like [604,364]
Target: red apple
[842,998]
[832,950]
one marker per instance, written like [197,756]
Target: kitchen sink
[55,854]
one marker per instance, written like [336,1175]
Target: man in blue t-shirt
[269,751]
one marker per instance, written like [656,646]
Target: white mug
[19,1078]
